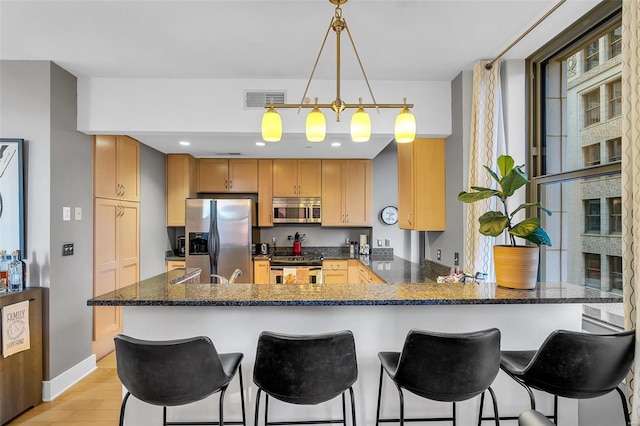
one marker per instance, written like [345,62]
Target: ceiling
[411,40]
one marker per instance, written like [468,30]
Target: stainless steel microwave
[297,210]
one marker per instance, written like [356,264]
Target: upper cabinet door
[243,175]
[128,167]
[406,218]
[116,162]
[181,184]
[265,193]
[358,192]
[285,178]
[333,213]
[213,175]
[309,178]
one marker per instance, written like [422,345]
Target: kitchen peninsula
[380,315]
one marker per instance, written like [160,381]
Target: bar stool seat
[443,367]
[574,365]
[176,372]
[305,370]
[533,418]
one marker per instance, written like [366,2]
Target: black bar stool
[573,365]
[305,370]
[443,367]
[533,418]
[176,372]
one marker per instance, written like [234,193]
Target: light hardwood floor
[95,400]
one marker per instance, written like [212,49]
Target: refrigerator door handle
[214,241]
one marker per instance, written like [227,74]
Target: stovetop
[307,259]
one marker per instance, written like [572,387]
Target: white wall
[116,106]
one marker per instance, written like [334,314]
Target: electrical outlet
[456,259]
[439,254]
[387,242]
[77,213]
[66,213]
[379,242]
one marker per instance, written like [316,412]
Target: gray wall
[38,104]
[153,232]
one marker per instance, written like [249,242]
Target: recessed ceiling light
[186,143]
[336,144]
[260,144]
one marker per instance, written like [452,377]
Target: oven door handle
[277,268]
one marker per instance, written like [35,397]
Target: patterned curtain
[631,186]
[486,144]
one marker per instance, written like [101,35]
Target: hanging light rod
[405,128]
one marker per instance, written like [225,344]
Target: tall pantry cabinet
[116,232]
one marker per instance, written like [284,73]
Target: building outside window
[615,42]
[574,154]
[592,270]
[591,56]
[591,155]
[614,90]
[592,216]
[615,273]
[614,146]
[592,107]
[615,215]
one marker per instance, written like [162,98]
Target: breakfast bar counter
[379,315]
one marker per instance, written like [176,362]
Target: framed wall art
[12,196]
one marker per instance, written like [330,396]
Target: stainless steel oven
[292,274]
[297,210]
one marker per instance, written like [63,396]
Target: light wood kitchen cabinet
[366,276]
[182,175]
[174,264]
[421,185]
[261,271]
[116,263]
[335,272]
[265,192]
[227,175]
[297,178]
[347,192]
[352,271]
[116,167]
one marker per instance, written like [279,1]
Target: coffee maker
[180,247]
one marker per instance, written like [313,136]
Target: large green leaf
[525,227]
[493,175]
[493,223]
[514,180]
[527,205]
[539,237]
[505,164]
[470,197]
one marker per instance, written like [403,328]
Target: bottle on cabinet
[17,272]
[4,271]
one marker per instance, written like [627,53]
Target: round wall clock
[389,215]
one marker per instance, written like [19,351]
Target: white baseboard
[53,388]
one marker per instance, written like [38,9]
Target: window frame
[614,101]
[586,100]
[588,216]
[615,42]
[615,218]
[587,269]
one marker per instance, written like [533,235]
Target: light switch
[78,213]
[66,213]
[379,242]
[387,242]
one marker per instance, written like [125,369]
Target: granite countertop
[165,290]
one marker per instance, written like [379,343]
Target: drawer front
[335,265]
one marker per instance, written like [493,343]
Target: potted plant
[516,266]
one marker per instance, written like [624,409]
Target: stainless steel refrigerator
[219,237]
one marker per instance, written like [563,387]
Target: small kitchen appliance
[180,249]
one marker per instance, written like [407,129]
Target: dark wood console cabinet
[21,373]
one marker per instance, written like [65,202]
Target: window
[615,273]
[591,155]
[592,270]
[615,149]
[592,107]
[591,56]
[615,42]
[592,216]
[614,90]
[567,177]
[615,215]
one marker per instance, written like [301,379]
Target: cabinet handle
[124,189]
[347,218]
[409,218]
[118,189]
[226,184]
[230,184]
[343,220]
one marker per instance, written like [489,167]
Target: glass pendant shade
[405,126]
[271,126]
[316,126]
[360,126]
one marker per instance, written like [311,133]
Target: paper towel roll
[363,239]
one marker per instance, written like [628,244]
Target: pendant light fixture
[405,128]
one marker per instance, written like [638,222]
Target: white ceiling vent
[258,98]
